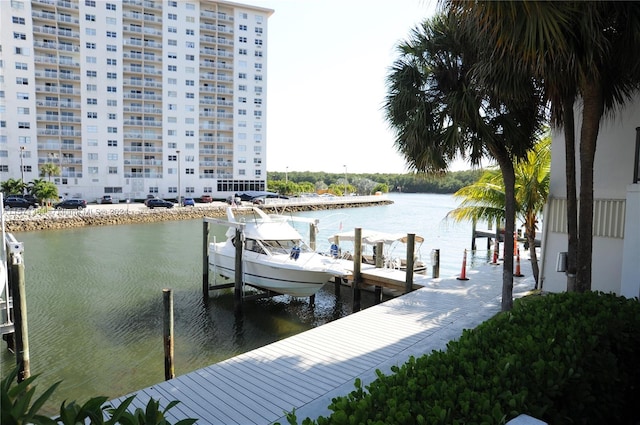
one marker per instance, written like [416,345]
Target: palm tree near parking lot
[13,186]
[49,169]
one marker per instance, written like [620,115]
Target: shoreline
[116,214]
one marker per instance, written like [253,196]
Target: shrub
[563,358]
[16,408]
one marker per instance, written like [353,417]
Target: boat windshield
[283,246]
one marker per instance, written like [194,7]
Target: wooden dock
[307,370]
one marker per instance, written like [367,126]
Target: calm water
[94,297]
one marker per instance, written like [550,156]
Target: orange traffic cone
[495,253]
[463,273]
[515,243]
[517,273]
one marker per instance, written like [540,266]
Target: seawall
[48,219]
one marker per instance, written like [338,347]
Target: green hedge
[563,358]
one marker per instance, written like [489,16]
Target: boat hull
[279,273]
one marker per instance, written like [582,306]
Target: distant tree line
[294,182]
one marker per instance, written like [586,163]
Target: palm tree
[439,110]
[49,169]
[579,50]
[485,199]
[13,186]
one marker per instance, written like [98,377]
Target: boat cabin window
[253,245]
[280,246]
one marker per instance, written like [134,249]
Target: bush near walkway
[563,358]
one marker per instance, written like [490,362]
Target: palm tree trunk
[572,203]
[591,115]
[530,229]
[508,175]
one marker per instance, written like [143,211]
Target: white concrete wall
[612,177]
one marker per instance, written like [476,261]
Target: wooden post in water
[379,258]
[205,259]
[435,267]
[312,235]
[411,245]
[237,292]
[473,234]
[167,298]
[23,361]
[357,263]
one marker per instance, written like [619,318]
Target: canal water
[94,296]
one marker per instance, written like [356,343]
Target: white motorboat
[391,257]
[274,256]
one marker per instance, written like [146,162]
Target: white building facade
[616,221]
[134,97]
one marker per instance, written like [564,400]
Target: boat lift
[238,283]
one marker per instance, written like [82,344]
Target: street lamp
[178,158]
[22,168]
[345,181]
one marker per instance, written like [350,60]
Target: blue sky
[327,63]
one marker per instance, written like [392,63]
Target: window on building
[172,42]
[173,30]
[92,156]
[172,68]
[90,17]
[92,170]
[189,32]
[24,124]
[21,81]
[19,35]
[172,17]
[22,96]
[17,20]
[113,62]
[242,51]
[111,6]
[92,73]
[112,76]
[113,116]
[90,45]
[112,143]
[112,156]
[90,3]
[92,101]
[112,130]
[111,34]
[242,39]
[112,48]
[90,31]
[113,170]
[112,102]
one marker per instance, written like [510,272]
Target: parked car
[158,203]
[106,199]
[188,202]
[71,204]
[206,199]
[16,201]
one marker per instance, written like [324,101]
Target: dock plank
[306,370]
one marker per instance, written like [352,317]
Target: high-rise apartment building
[134,97]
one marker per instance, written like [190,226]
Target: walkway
[307,370]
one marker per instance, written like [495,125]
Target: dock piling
[23,360]
[167,298]
[411,245]
[205,259]
[237,292]
[357,270]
